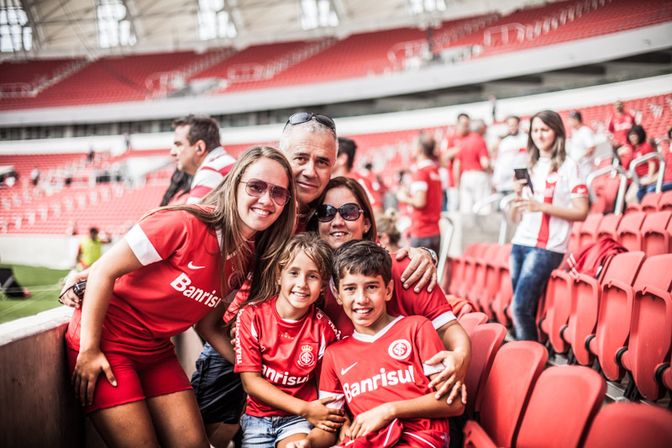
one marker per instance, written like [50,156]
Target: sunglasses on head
[349,212]
[257,188]
[305,117]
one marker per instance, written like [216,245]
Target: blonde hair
[219,211]
[387,224]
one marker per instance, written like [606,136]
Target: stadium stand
[630,424]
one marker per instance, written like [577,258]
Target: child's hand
[323,417]
[371,420]
[451,379]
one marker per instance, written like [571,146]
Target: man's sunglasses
[305,117]
[349,212]
[257,188]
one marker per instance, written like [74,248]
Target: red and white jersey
[405,302]
[619,125]
[425,220]
[537,229]
[365,371]
[178,284]
[512,153]
[285,353]
[210,174]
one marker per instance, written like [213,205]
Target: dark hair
[558,154]
[427,144]
[363,258]
[669,133]
[201,127]
[348,147]
[575,114]
[639,132]
[463,115]
[362,199]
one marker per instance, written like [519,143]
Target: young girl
[172,271]
[280,342]
[557,197]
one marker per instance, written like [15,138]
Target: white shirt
[512,154]
[582,139]
[210,174]
[537,229]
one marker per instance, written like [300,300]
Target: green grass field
[42,282]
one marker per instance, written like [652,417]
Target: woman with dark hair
[343,214]
[545,211]
[636,147]
[173,270]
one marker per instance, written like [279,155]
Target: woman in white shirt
[545,210]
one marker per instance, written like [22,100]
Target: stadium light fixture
[318,14]
[16,34]
[215,20]
[419,7]
[115,29]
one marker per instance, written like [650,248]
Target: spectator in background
[470,165]
[619,125]
[90,249]
[90,156]
[511,153]
[198,151]
[425,196]
[180,184]
[388,233]
[369,180]
[35,176]
[582,143]
[558,196]
[636,147]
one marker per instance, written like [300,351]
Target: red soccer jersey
[177,286]
[286,353]
[425,220]
[619,125]
[405,302]
[472,149]
[368,371]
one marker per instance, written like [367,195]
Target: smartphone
[522,173]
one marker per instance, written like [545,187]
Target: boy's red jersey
[367,371]
[285,353]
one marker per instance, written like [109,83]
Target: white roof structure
[63,28]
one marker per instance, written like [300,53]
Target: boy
[378,372]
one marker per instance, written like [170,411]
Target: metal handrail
[479,206]
[445,246]
[644,159]
[504,224]
[622,185]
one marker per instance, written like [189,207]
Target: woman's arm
[316,412]
[119,260]
[213,329]
[577,212]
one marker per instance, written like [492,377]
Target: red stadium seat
[470,321]
[501,302]
[586,294]
[558,306]
[588,232]
[477,286]
[657,233]
[613,319]
[458,267]
[665,202]
[469,270]
[575,236]
[608,226]
[651,325]
[563,403]
[629,230]
[486,339]
[650,202]
[516,367]
[493,276]
[631,425]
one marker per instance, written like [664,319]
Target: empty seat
[631,425]
[486,340]
[514,371]
[651,325]
[458,267]
[613,319]
[558,307]
[629,230]
[469,270]
[609,226]
[470,321]
[575,236]
[501,303]
[588,232]
[475,289]
[657,233]
[563,403]
[650,202]
[493,275]
[665,202]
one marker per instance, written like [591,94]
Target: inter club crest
[307,357]
[399,349]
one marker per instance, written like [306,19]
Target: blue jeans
[266,432]
[531,268]
[645,189]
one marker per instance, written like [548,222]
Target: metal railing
[611,170]
[446,240]
[504,225]
[645,159]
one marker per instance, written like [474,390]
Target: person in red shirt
[370,181]
[173,270]
[425,196]
[667,174]
[279,345]
[379,373]
[637,147]
[619,125]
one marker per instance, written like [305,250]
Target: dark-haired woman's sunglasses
[349,212]
[305,117]
[257,188]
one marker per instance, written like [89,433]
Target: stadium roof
[71,27]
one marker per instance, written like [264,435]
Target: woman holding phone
[545,211]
